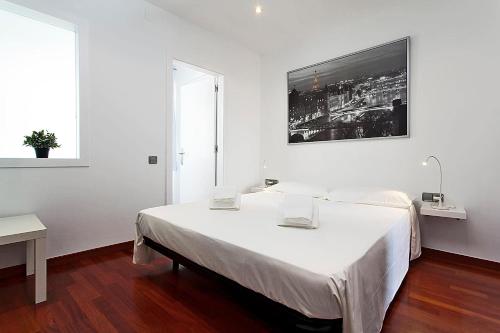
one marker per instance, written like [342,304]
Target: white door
[196,134]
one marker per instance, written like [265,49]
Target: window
[38,82]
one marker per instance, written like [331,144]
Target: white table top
[454,212]
[21,228]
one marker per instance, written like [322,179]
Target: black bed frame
[291,317]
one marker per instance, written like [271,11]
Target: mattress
[350,267]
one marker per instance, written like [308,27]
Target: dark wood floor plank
[102,291]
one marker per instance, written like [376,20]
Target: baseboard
[124,246]
[445,257]
[460,259]
[20,269]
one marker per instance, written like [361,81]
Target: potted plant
[42,142]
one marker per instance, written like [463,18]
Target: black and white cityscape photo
[362,95]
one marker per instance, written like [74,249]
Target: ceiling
[281,23]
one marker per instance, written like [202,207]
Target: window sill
[43,163]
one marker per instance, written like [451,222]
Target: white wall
[454,113]
[131,48]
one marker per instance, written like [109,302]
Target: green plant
[41,139]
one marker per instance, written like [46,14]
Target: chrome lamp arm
[440,203]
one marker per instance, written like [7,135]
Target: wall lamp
[440,204]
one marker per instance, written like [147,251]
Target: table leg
[30,257]
[40,271]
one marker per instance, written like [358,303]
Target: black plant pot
[42,152]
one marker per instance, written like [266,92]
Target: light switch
[153,159]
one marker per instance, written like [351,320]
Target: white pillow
[372,196]
[299,188]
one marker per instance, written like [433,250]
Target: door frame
[171,136]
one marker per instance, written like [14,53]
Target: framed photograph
[357,96]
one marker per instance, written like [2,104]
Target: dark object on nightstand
[270,182]
[431,197]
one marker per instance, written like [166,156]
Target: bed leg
[175,266]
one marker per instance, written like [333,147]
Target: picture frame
[358,96]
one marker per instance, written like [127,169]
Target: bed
[350,267]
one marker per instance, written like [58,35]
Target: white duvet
[350,267]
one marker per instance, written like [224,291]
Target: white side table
[458,213]
[29,229]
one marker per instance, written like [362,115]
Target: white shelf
[258,188]
[458,213]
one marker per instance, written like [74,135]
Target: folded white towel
[224,193]
[226,204]
[299,211]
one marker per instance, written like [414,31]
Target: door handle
[182,157]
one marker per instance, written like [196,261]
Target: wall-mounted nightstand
[458,213]
[258,188]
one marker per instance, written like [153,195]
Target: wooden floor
[101,290]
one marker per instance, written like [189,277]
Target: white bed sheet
[350,267]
